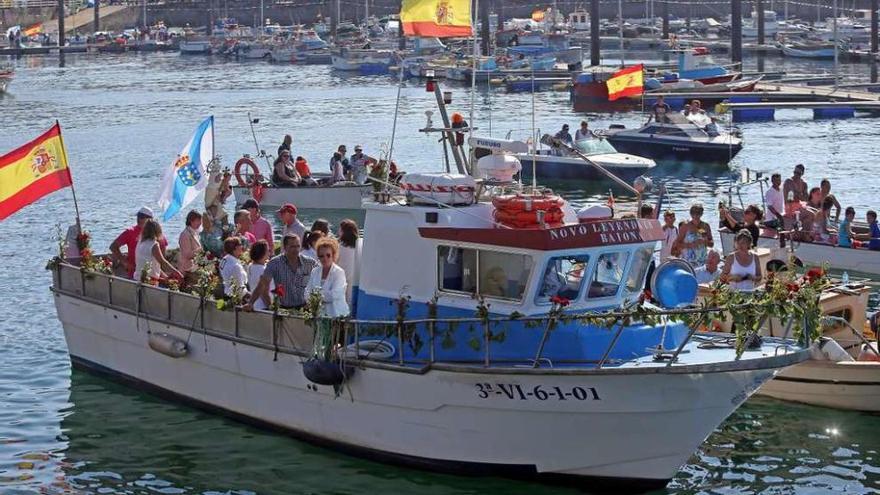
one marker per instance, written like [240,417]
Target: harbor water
[125,117]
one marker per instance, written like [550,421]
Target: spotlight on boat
[447,97]
[430,123]
[643,184]
[674,284]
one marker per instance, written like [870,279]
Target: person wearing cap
[302,168]
[360,164]
[260,227]
[563,135]
[130,238]
[284,171]
[292,225]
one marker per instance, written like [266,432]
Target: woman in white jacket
[329,279]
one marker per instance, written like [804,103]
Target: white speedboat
[195,47]
[551,163]
[680,139]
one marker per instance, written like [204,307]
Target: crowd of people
[807,214]
[245,259]
[294,172]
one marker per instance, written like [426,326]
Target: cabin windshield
[595,146]
[563,278]
[482,272]
[641,260]
[608,274]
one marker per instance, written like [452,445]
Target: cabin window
[563,277]
[608,274]
[488,273]
[641,260]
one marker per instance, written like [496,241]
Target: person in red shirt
[302,168]
[130,238]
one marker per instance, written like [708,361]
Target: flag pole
[72,187]
[473,72]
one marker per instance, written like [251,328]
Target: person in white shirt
[775,203]
[259,255]
[329,279]
[708,273]
[231,270]
[583,132]
[349,240]
[670,233]
[148,257]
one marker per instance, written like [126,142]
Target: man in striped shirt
[290,270]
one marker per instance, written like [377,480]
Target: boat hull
[318,198]
[559,167]
[863,261]
[850,385]
[630,429]
[667,150]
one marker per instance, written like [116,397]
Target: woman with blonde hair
[329,279]
[148,255]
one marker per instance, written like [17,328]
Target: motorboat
[251,184]
[365,61]
[844,369]
[821,51]
[676,85]
[195,47]
[680,139]
[750,25]
[547,162]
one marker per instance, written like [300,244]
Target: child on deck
[845,236]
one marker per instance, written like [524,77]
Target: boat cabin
[458,253]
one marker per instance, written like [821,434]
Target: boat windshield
[486,273]
[595,146]
[563,277]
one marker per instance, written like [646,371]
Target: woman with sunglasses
[329,279]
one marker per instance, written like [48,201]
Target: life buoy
[521,210]
[255,172]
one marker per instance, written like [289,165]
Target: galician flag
[436,18]
[187,176]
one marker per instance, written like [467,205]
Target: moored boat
[473,380]
[6,76]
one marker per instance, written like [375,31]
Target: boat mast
[836,47]
[473,68]
[620,28]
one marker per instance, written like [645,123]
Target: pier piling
[736,31]
[484,28]
[759,6]
[60,33]
[594,33]
[97,18]
[665,13]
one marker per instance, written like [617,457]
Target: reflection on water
[125,117]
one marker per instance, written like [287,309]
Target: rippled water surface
[126,117]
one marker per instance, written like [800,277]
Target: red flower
[85,253]
[560,301]
[107,262]
[278,290]
[814,273]
[209,256]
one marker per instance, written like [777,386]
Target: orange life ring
[255,172]
[524,202]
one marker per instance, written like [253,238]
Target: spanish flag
[626,82]
[33,30]
[436,18]
[33,171]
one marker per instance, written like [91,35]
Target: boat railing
[293,333]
